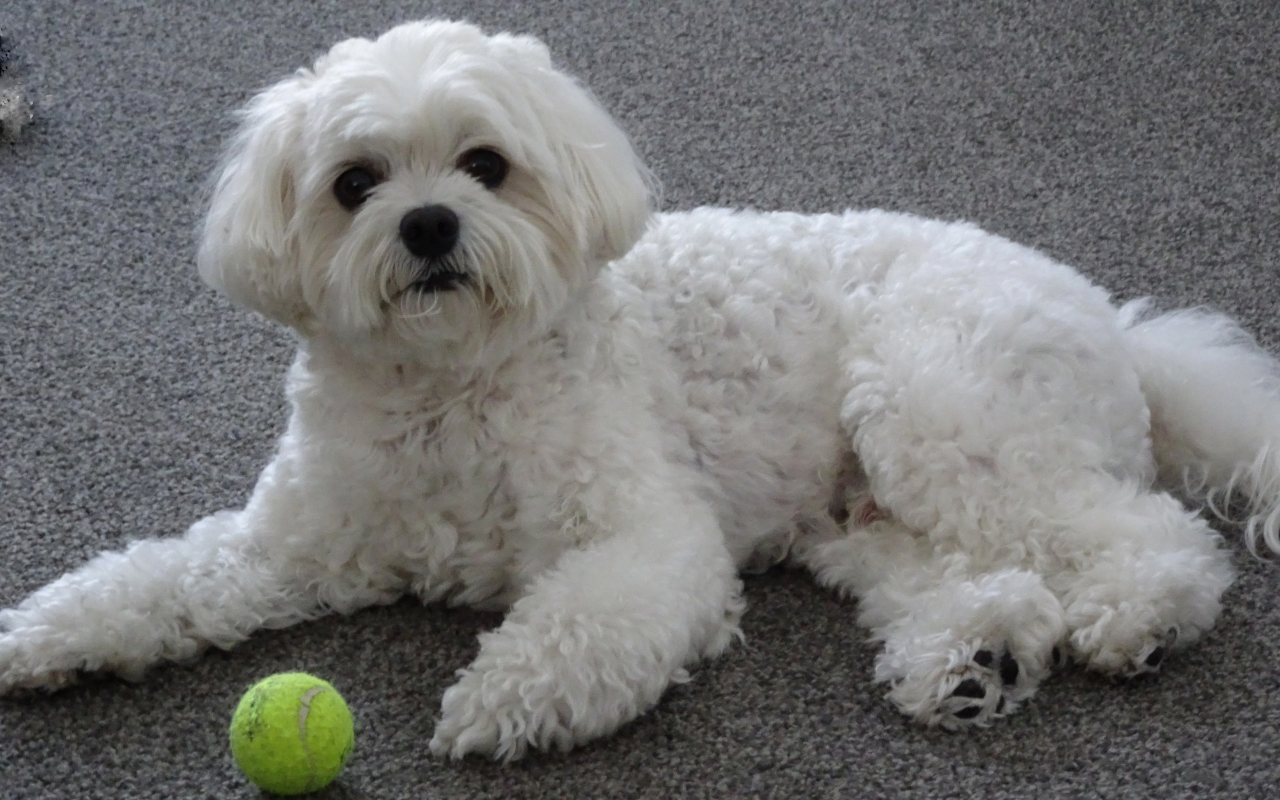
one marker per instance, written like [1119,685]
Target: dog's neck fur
[389,380]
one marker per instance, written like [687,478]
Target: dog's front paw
[548,686]
[501,710]
[465,725]
[24,668]
[483,714]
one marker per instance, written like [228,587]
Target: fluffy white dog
[516,387]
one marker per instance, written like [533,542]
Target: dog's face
[427,192]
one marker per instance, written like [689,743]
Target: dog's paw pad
[1152,658]
[993,685]
[1009,669]
[971,712]
[978,697]
[971,684]
[970,687]
[968,701]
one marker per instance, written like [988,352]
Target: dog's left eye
[484,165]
[353,186]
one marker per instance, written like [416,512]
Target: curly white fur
[621,410]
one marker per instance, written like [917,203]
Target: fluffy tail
[1214,396]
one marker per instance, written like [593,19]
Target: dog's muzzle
[431,233]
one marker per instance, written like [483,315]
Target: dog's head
[429,190]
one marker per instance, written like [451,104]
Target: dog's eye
[485,166]
[353,186]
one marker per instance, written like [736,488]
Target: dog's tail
[1214,396]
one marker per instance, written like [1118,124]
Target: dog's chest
[451,502]
[446,507]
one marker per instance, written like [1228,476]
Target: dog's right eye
[353,186]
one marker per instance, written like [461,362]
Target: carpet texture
[1138,142]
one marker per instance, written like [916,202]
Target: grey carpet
[1139,143]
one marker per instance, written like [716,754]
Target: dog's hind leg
[961,647]
[993,403]
[1141,575]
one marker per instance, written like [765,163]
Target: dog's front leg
[168,599]
[601,635]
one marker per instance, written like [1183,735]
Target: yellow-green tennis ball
[291,733]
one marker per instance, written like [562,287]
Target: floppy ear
[608,183]
[247,249]
[613,184]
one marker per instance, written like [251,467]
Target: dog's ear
[612,191]
[247,248]
[615,188]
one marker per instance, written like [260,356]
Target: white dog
[516,387]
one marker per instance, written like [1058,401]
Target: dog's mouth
[439,280]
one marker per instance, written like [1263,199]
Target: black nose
[430,231]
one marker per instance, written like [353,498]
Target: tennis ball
[291,733]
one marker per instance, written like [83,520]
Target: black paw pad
[1008,669]
[983,658]
[1155,657]
[970,688]
[969,713]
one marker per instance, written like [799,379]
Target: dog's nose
[430,231]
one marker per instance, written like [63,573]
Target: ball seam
[303,712]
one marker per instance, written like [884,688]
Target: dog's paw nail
[970,688]
[968,713]
[1000,706]
[1155,657]
[983,658]
[1008,669]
